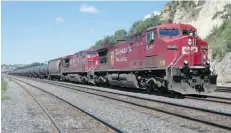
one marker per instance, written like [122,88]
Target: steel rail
[60,130]
[152,108]
[91,115]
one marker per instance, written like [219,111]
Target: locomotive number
[148,47]
[187,50]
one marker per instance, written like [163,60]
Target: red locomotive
[165,58]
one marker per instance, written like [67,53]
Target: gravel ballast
[69,118]
[127,117]
[21,114]
[226,108]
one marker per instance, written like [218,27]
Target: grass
[220,40]
[3,89]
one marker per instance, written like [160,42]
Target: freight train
[168,58]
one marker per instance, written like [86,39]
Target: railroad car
[43,71]
[54,69]
[77,67]
[167,58]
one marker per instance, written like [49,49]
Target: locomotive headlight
[189,41]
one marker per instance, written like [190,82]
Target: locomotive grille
[151,61]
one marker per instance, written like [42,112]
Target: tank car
[43,71]
[54,69]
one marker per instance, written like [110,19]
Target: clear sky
[40,31]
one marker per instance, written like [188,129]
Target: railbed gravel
[127,117]
[226,108]
[223,120]
[21,113]
[70,119]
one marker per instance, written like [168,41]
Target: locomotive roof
[56,59]
[68,56]
[181,26]
[104,47]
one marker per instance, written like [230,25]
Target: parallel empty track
[103,127]
[210,117]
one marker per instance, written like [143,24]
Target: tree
[120,34]
[137,27]
[133,27]
[154,20]
[109,40]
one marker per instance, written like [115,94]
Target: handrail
[172,63]
[178,59]
[176,62]
[92,68]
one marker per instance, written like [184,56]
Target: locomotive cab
[188,70]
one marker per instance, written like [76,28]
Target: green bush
[220,40]
[121,34]
[3,89]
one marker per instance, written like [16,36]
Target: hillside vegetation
[136,28]
[220,40]
[140,25]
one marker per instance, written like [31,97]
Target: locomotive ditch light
[185,62]
[207,63]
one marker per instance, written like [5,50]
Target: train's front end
[190,72]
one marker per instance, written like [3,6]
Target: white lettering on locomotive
[187,50]
[123,50]
[148,47]
[121,59]
[121,54]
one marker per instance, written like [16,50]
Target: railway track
[209,117]
[102,127]
[224,89]
[54,123]
[207,98]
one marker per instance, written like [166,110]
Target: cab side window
[150,36]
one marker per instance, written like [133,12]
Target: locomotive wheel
[149,87]
[206,86]
[159,91]
[172,94]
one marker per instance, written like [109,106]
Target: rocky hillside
[213,21]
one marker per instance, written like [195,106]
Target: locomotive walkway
[213,118]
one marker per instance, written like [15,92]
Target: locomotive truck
[166,58]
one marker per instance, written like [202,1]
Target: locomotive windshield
[169,32]
[186,32]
